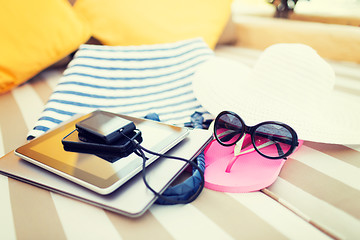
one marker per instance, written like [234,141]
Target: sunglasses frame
[251,130]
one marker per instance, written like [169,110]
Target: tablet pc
[95,172]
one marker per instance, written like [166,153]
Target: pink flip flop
[247,172]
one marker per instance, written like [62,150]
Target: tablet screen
[96,172]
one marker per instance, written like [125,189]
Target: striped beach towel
[131,80]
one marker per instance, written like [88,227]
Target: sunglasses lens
[228,129]
[273,140]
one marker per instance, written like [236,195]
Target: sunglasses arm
[236,153]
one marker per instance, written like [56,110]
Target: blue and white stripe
[132,80]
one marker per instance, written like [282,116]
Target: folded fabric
[132,80]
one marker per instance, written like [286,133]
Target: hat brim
[222,84]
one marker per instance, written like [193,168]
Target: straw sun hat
[289,83]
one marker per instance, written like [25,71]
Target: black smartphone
[105,127]
[103,134]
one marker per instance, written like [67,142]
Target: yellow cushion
[136,22]
[34,35]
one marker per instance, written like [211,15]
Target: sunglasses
[270,139]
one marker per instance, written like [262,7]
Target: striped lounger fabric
[316,195]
